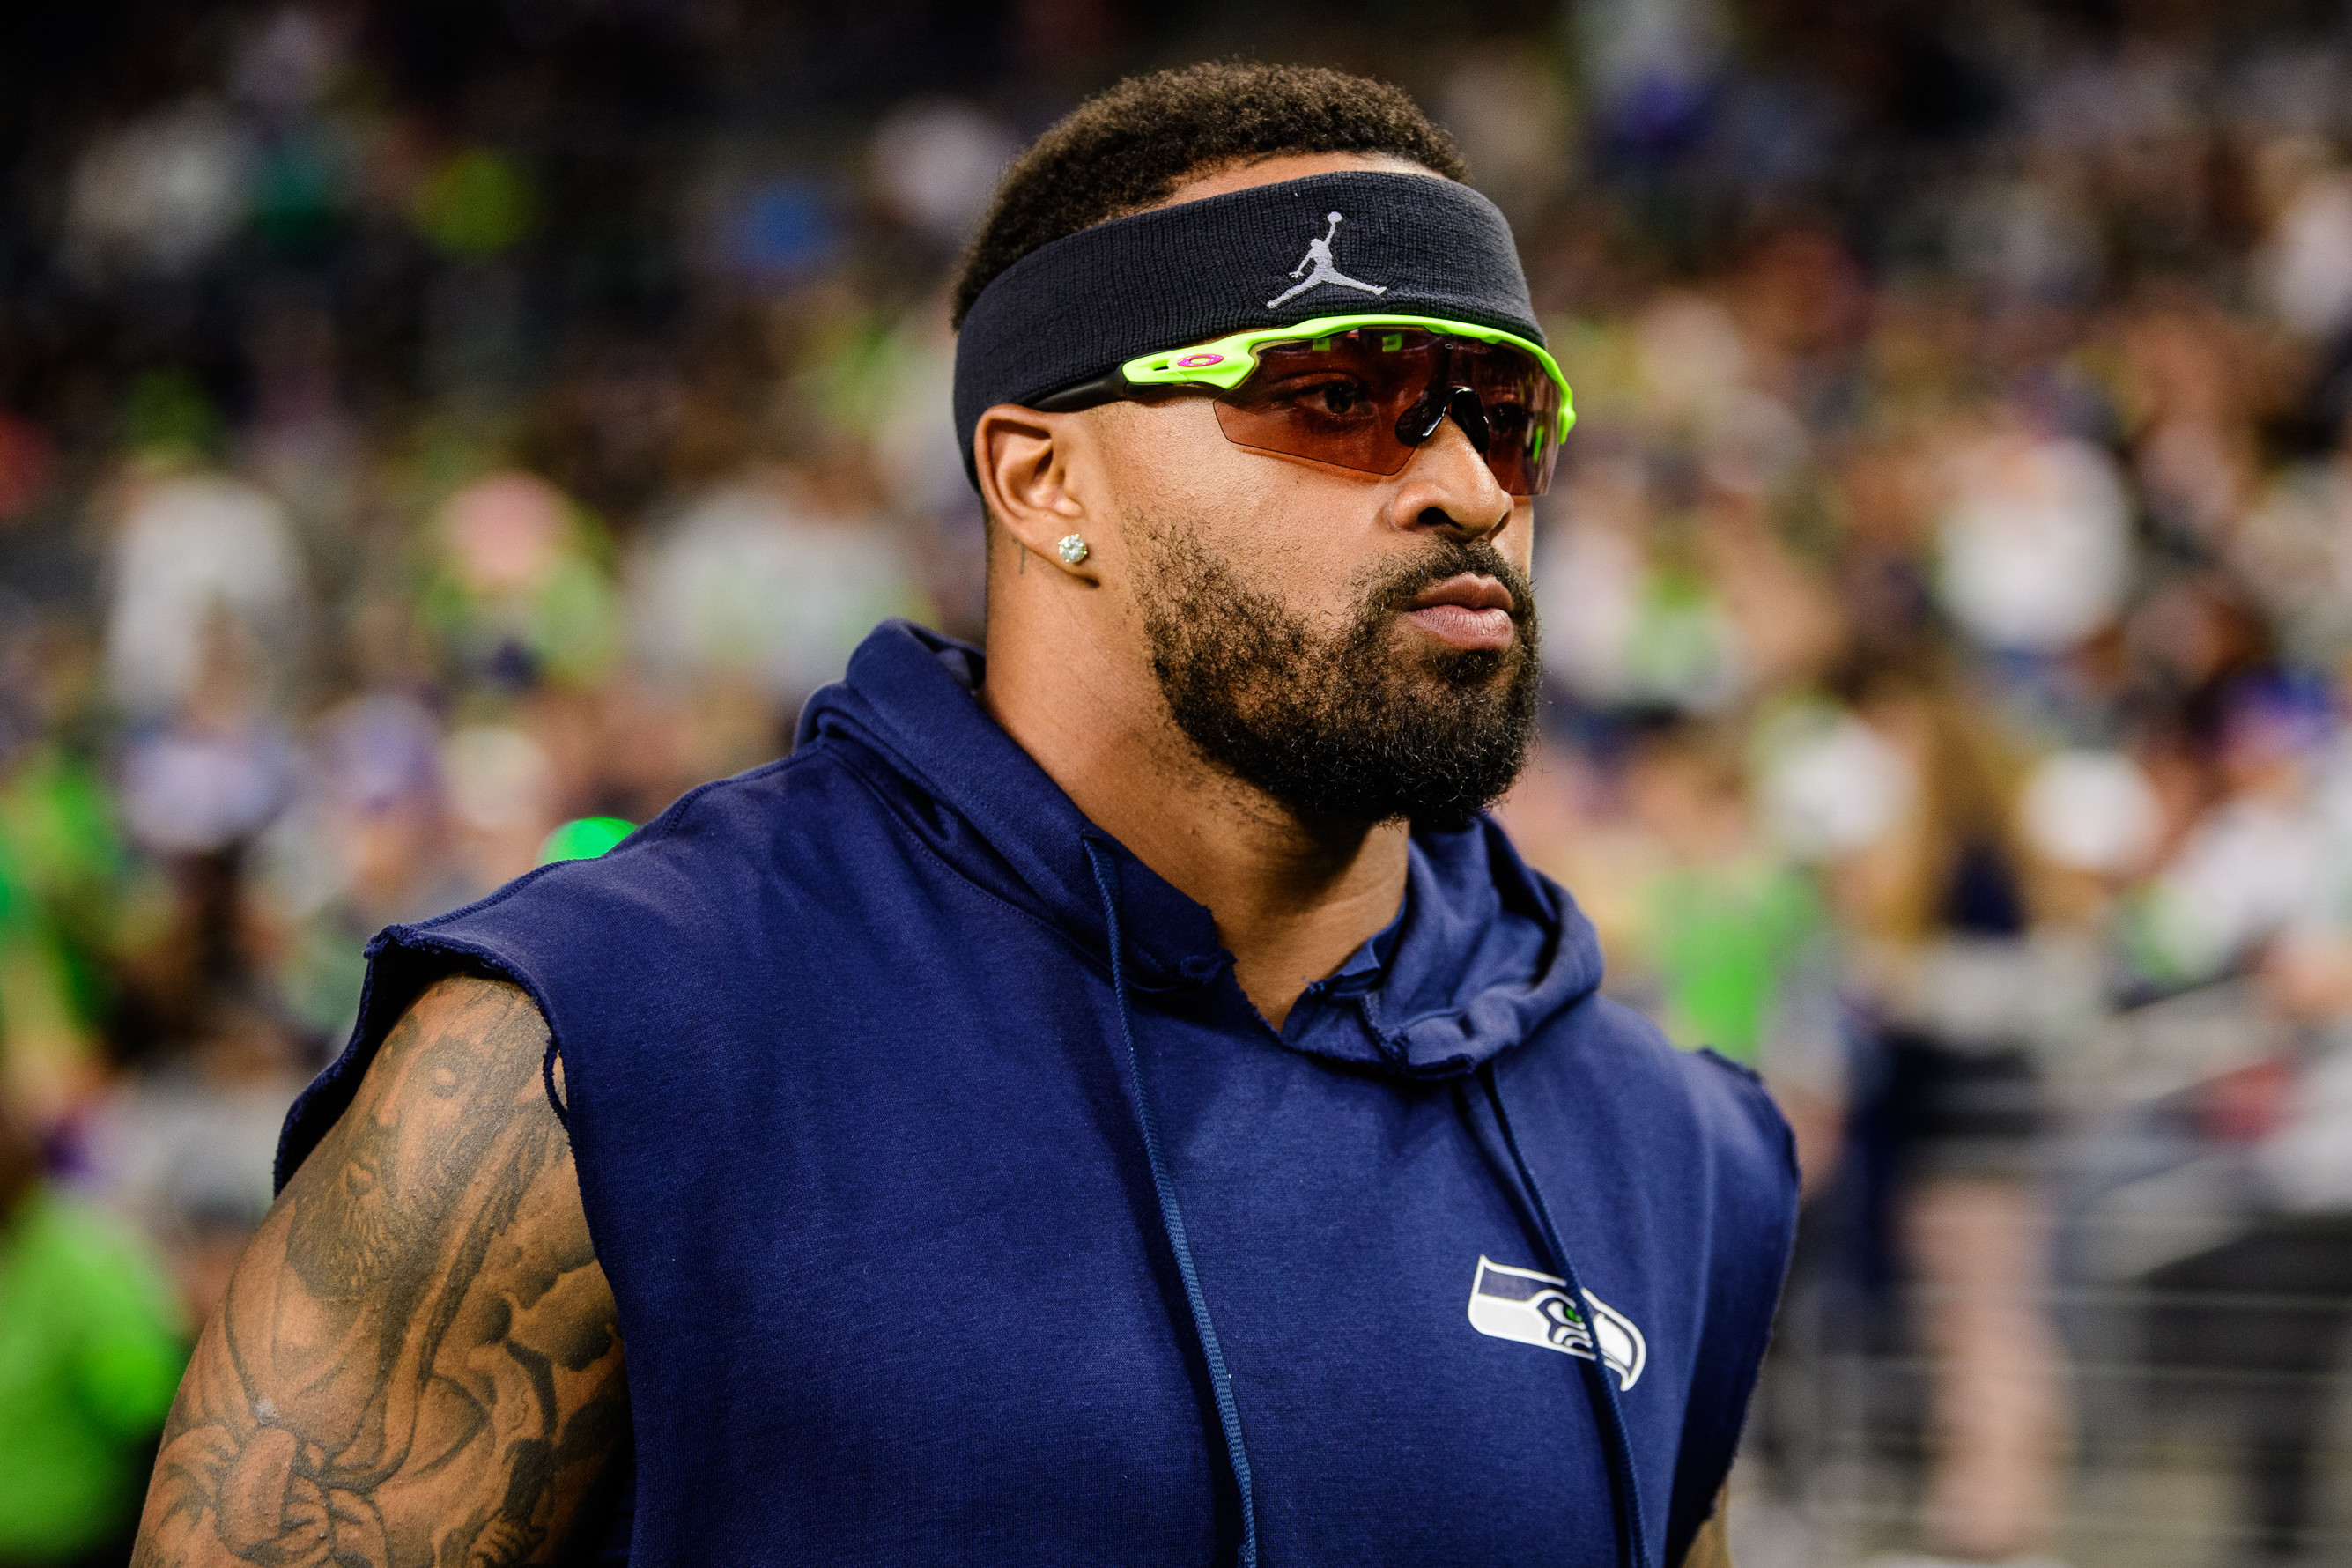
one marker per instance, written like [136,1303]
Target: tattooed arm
[417,1362]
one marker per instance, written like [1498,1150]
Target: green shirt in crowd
[92,1349]
[1725,941]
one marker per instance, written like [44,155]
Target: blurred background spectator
[90,1351]
[423,426]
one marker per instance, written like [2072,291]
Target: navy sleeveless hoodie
[962,1209]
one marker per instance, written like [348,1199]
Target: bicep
[419,1347]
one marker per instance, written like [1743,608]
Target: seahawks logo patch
[1535,1309]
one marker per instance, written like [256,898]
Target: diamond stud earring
[1072,549]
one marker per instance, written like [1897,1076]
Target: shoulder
[461,1063]
[1713,1085]
[1740,1118]
[434,1030]
[683,887]
[620,942]
[703,852]
[1712,1117]
[715,823]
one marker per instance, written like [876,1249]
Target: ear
[1024,459]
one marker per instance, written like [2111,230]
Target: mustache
[1397,589]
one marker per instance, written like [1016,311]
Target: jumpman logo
[1318,258]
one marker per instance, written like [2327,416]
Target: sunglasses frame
[1225,363]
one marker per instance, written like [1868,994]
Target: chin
[1465,668]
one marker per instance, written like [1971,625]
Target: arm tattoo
[418,1364]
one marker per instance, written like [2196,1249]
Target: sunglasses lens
[1334,400]
[1522,407]
[1364,399]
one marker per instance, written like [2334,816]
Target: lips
[1469,610]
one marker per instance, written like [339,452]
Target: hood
[1482,951]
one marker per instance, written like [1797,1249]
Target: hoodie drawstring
[1171,1218]
[1617,1446]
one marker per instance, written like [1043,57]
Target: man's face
[401,1168]
[1360,648]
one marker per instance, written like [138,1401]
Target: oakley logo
[1318,268]
[1533,1310]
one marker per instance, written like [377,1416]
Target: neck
[1292,898]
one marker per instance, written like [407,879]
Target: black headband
[1270,254]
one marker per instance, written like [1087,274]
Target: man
[1116,1101]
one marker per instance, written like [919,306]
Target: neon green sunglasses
[1363,392]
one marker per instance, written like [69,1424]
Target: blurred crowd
[422,428]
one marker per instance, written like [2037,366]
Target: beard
[350,1237]
[1342,726]
[345,1243]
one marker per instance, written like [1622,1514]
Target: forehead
[1223,179]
